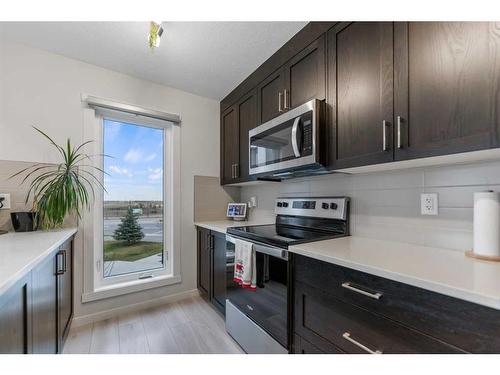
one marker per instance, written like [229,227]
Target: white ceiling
[204,58]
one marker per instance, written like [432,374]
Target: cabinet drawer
[323,319]
[302,346]
[469,326]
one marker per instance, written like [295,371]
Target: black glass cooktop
[282,236]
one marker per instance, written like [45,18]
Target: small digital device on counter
[237,211]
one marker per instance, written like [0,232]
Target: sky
[135,165]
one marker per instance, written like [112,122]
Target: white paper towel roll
[487,223]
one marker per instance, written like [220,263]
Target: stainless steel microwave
[288,142]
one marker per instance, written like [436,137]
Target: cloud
[136,155]
[121,171]
[155,174]
[133,156]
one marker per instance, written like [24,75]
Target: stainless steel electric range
[258,320]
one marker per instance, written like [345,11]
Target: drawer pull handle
[348,285]
[348,337]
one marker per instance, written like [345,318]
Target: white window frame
[97,286]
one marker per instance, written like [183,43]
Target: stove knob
[285,204]
[333,206]
[279,204]
[324,205]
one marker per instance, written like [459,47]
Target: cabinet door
[360,93]
[447,80]
[65,292]
[204,261]
[247,120]
[44,295]
[219,271]
[230,147]
[15,318]
[271,96]
[306,75]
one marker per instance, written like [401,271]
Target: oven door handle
[272,251]
[295,144]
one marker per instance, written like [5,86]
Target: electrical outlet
[429,204]
[5,203]
[253,202]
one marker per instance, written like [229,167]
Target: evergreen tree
[129,229]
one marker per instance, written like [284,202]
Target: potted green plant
[57,189]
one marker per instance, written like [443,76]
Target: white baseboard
[106,314]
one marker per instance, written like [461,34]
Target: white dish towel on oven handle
[245,269]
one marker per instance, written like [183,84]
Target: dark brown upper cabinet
[446,88]
[360,93]
[305,75]
[236,122]
[271,96]
[230,147]
[247,120]
[301,79]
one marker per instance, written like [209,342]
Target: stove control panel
[322,207]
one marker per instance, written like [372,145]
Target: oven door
[286,142]
[267,306]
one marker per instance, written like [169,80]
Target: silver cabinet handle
[232,171]
[280,96]
[384,136]
[236,170]
[349,286]
[295,144]
[285,100]
[348,337]
[65,261]
[60,270]
[398,121]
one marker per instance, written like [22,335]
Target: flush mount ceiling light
[155,32]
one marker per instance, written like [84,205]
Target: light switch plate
[6,201]
[429,204]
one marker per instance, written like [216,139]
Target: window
[133,220]
[132,234]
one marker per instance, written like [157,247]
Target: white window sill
[129,287]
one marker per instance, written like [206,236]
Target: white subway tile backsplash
[389,180]
[386,205]
[486,173]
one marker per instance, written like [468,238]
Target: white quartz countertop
[443,271]
[222,225]
[21,252]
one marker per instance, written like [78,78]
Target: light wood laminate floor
[190,326]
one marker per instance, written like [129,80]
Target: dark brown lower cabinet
[212,268]
[36,313]
[65,293]
[338,308]
[44,294]
[333,324]
[203,264]
[219,271]
[15,318]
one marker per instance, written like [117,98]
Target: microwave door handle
[295,145]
